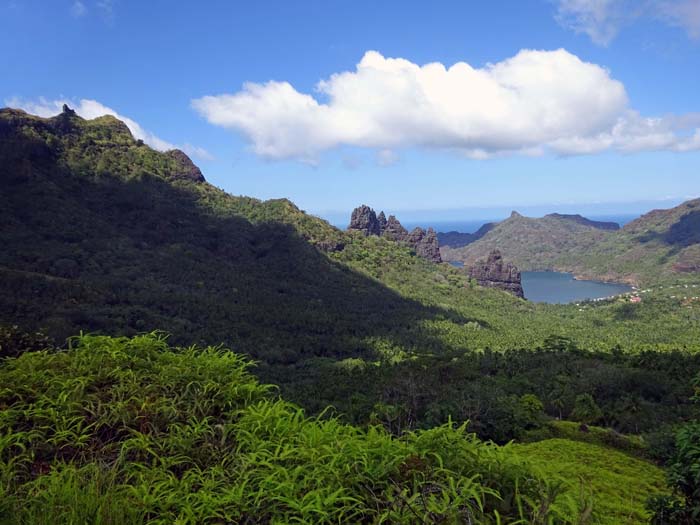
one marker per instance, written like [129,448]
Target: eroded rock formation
[186,168]
[425,243]
[496,273]
[394,230]
[365,220]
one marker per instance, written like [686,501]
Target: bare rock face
[394,230]
[381,219]
[425,243]
[365,220]
[186,168]
[495,273]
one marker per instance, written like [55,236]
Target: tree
[683,507]
[586,410]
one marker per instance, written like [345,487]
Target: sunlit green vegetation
[618,485]
[133,431]
[658,248]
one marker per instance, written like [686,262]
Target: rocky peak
[381,218]
[365,220]
[515,215]
[66,120]
[425,243]
[68,111]
[186,168]
[394,230]
[496,273]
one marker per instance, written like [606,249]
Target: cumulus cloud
[527,104]
[90,109]
[602,20]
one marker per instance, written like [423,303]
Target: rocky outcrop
[381,219]
[365,220]
[425,243]
[496,273]
[186,168]
[394,230]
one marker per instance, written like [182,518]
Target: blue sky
[586,101]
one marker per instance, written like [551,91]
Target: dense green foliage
[645,393]
[132,431]
[683,506]
[104,235]
[661,246]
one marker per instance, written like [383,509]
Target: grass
[617,483]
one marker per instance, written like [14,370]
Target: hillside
[115,239]
[133,431]
[105,235]
[661,246]
[531,243]
[455,239]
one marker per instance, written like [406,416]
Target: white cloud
[602,20]
[78,9]
[682,13]
[528,104]
[90,109]
[599,19]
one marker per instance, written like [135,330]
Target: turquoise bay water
[557,287]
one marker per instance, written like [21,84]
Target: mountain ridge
[659,245]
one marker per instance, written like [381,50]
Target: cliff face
[425,243]
[394,230]
[365,220]
[496,273]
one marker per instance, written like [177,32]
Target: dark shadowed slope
[103,234]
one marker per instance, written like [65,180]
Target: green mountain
[116,237]
[660,246]
[455,239]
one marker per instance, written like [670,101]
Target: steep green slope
[100,234]
[660,246]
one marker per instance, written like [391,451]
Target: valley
[376,343]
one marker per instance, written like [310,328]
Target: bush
[118,430]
